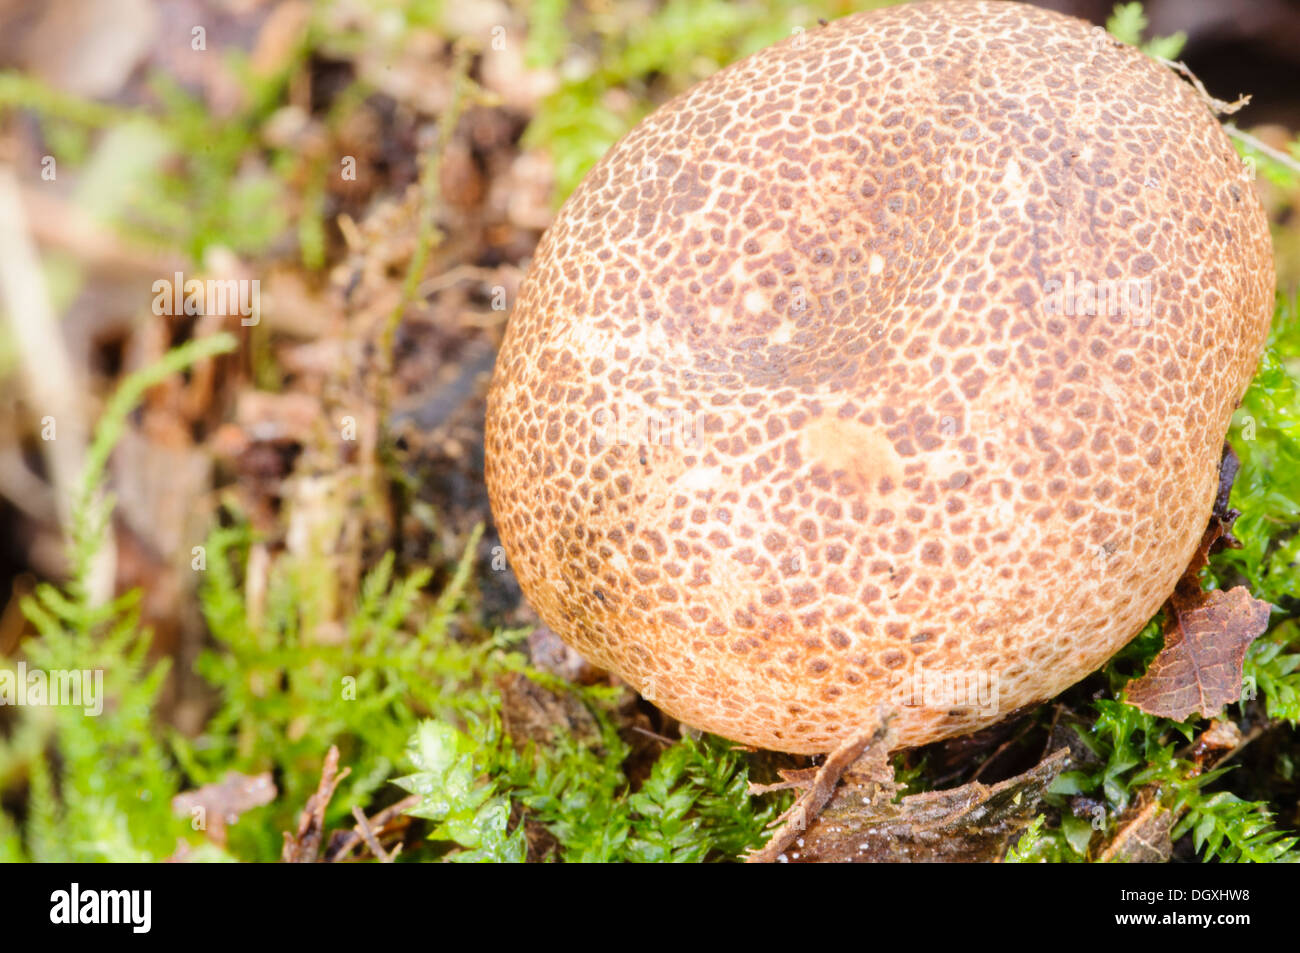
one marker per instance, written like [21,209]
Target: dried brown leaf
[1142,834]
[1206,633]
[972,823]
[216,805]
[530,712]
[791,778]
[1199,669]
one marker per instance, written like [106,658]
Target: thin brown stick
[796,820]
[454,276]
[304,847]
[794,778]
[363,827]
[653,735]
[1278,156]
[1221,107]
[379,821]
[997,752]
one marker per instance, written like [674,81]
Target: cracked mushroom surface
[888,366]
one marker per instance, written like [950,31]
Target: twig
[1258,145]
[1219,106]
[1028,726]
[363,827]
[304,847]
[63,226]
[653,735]
[454,277]
[1227,109]
[380,821]
[802,813]
[796,778]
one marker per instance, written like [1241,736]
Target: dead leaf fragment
[530,712]
[1199,669]
[862,760]
[970,824]
[221,803]
[1222,735]
[1142,834]
[1206,633]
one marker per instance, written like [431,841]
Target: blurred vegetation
[411,700]
[684,41]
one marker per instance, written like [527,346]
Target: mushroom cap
[803,409]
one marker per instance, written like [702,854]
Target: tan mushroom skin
[802,408]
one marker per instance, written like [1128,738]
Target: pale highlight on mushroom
[877,454]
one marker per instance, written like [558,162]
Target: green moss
[1129,21]
[680,42]
[98,786]
[1133,749]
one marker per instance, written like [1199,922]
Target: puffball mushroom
[892,362]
